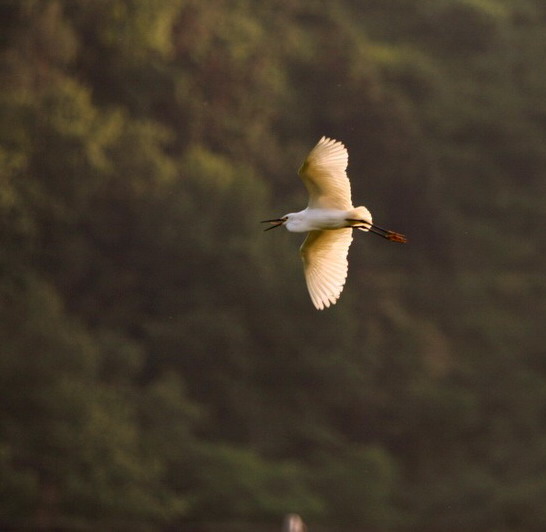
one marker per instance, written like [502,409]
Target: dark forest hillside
[160,361]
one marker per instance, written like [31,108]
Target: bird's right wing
[324,255]
[323,173]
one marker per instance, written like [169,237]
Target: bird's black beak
[277,222]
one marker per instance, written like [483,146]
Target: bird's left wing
[323,173]
[324,255]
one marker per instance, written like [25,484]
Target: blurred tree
[159,359]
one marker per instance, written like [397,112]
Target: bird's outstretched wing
[324,255]
[323,173]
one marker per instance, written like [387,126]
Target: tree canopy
[160,361]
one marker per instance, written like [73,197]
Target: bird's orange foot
[396,237]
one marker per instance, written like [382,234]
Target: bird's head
[294,221]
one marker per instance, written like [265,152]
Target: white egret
[329,219]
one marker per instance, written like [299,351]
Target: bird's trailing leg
[376,230]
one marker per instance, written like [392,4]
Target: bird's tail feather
[361,213]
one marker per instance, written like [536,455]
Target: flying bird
[329,220]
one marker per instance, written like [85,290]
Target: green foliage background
[160,361]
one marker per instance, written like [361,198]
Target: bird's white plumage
[324,175]
[329,220]
[324,255]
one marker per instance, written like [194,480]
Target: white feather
[324,255]
[329,220]
[324,175]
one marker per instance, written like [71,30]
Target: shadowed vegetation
[160,362]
